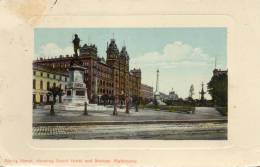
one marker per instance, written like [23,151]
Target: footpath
[104,116]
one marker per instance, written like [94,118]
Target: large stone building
[110,77]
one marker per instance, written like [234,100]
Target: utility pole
[157,81]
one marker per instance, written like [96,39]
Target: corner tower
[124,58]
[112,53]
[88,51]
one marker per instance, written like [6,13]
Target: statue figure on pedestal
[76,43]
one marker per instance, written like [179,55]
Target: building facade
[146,93]
[43,79]
[110,77]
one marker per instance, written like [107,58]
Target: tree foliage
[191,91]
[218,89]
[54,92]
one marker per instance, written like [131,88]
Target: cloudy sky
[184,56]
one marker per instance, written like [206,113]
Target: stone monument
[157,96]
[76,91]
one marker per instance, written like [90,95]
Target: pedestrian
[127,104]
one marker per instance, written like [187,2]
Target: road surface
[181,131]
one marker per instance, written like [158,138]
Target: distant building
[110,77]
[43,79]
[146,92]
[173,96]
[163,96]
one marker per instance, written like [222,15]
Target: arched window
[34,84]
[48,85]
[54,84]
[41,85]
[41,98]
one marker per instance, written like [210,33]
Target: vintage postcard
[129,83]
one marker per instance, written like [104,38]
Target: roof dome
[123,53]
[112,48]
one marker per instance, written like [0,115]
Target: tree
[191,92]
[105,99]
[217,88]
[54,92]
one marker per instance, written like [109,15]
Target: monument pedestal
[157,99]
[76,91]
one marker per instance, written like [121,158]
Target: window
[54,84]
[34,98]
[48,85]
[34,84]
[34,72]
[41,98]
[48,75]
[68,93]
[41,85]
[80,93]
[41,74]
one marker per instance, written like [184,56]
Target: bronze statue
[76,43]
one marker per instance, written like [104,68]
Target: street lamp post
[115,93]
[115,105]
[85,109]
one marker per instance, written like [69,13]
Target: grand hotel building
[103,77]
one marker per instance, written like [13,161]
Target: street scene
[206,123]
[104,84]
